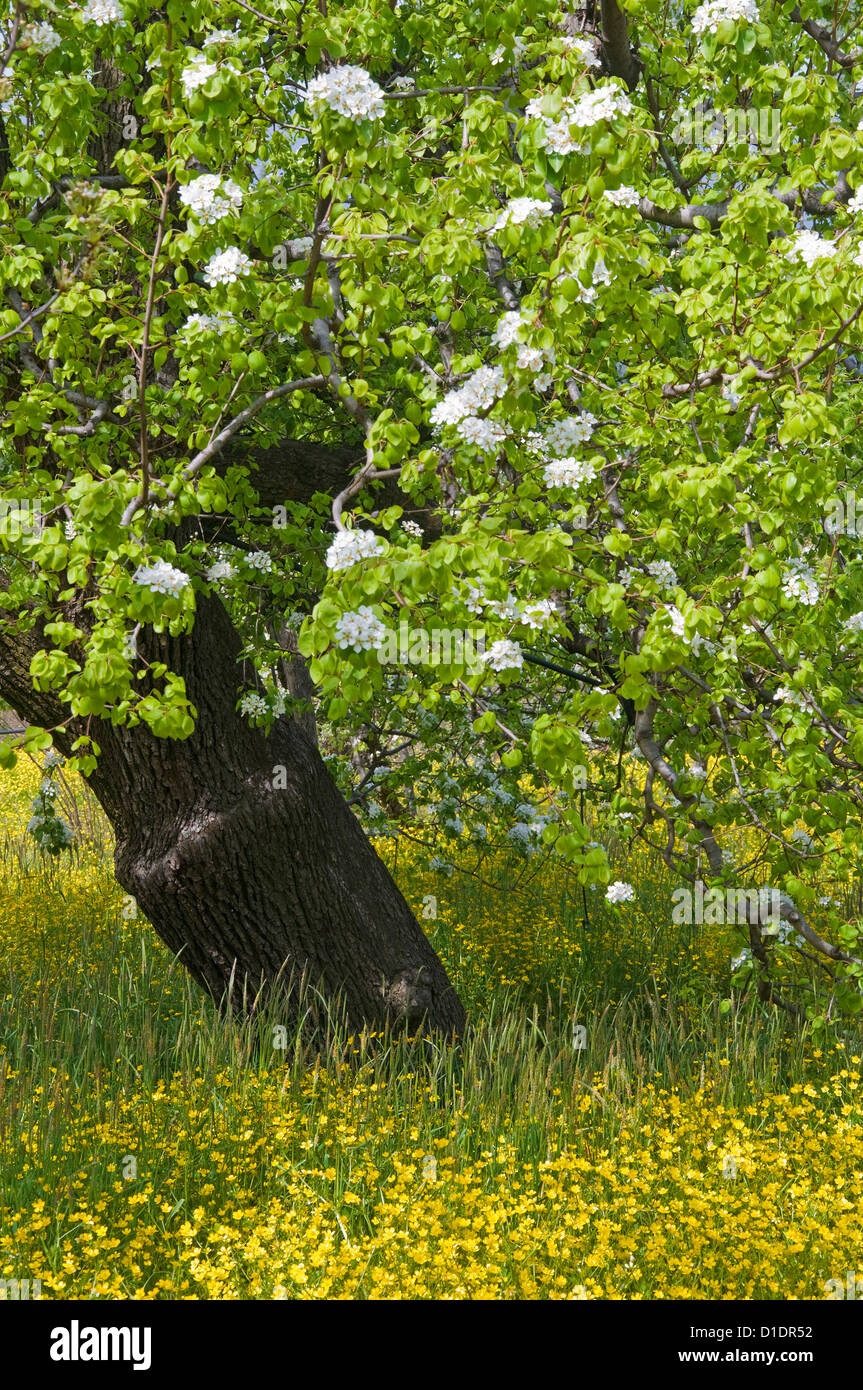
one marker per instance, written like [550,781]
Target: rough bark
[241,850]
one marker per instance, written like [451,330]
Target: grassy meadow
[150,1150]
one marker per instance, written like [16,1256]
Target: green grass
[261,1172]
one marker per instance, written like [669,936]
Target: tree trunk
[241,850]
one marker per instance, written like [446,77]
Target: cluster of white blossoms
[619,892]
[347,90]
[535,613]
[678,622]
[348,547]
[103,12]
[220,570]
[70,529]
[218,36]
[506,608]
[482,388]
[562,436]
[260,560]
[800,585]
[708,17]
[810,247]
[508,325]
[568,472]
[40,38]
[664,573]
[623,197]
[583,49]
[225,267]
[405,83]
[856,203]
[518,48]
[211,198]
[785,695]
[855,622]
[603,103]
[253,704]
[413,529]
[196,73]
[486,435]
[360,631]
[161,577]
[504,655]
[207,323]
[522,212]
[528,359]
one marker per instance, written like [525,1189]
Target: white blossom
[801,585]
[504,655]
[583,49]
[253,704]
[161,577]
[218,36]
[207,323]
[856,203]
[211,198]
[347,90]
[535,613]
[855,622]
[810,247]
[529,359]
[507,328]
[221,569]
[196,73]
[506,608]
[70,529]
[225,267]
[708,17]
[786,695]
[522,212]
[348,547]
[260,560]
[475,599]
[678,622]
[103,12]
[664,573]
[623,197]
[40,38]
[479,392]
[563,435]
[602,104]
[568,472]
[518,48]
[413,529]
[360,631]
[619,892]
[486,435]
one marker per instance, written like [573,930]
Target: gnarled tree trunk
[241,850]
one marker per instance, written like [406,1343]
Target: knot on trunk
[408,996]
